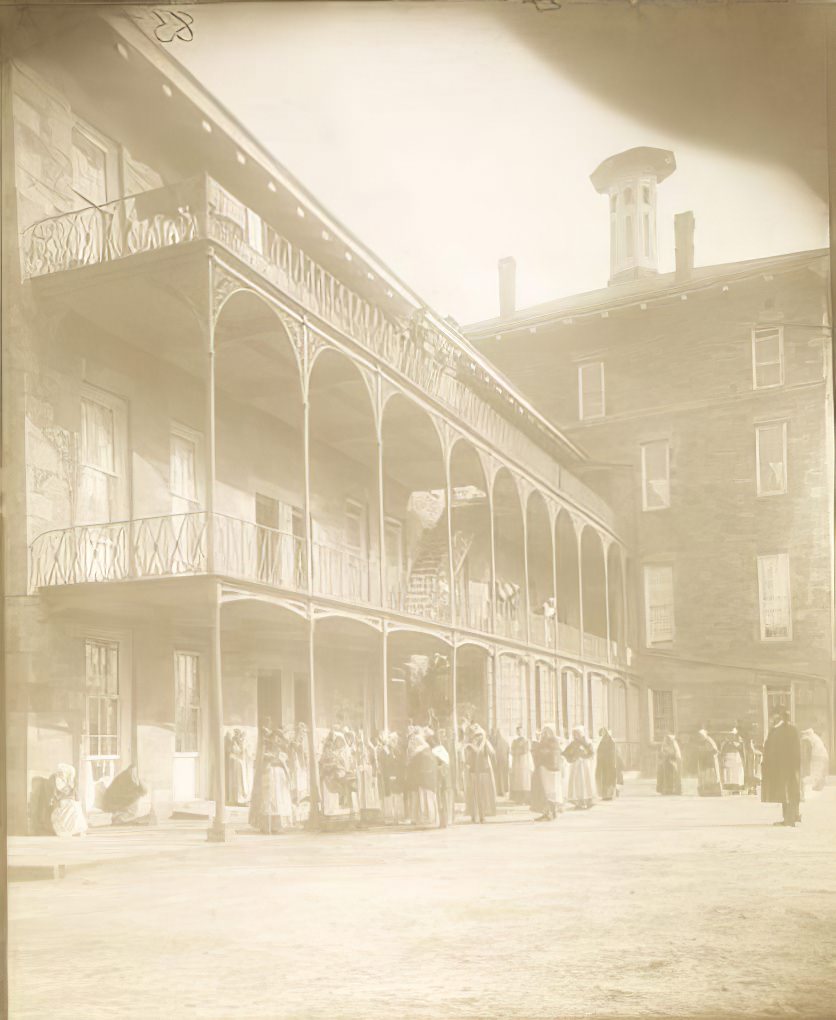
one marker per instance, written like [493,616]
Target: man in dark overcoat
[781,780]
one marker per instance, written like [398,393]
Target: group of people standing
[279,787]
[545,773]
[731,765]
[736,764]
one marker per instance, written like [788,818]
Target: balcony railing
[170,546]
[473,604]
[201,209]
[343,573]
[595,647]
[568,638]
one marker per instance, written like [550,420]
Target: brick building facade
[704,397]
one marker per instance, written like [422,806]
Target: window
[89,160]
[628,237]
[662,720]
[767,357]
[771,454]
[186,703]
[183,467]
[255,232]
[658,598]
[591,390]
[355,531]
[774,595]
[98,436]
[510,696]
[102,704]
[656,492]
[646,194]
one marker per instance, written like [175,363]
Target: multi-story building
[704,397]
[247,473]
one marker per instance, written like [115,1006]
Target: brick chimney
[683,231]
[507,287]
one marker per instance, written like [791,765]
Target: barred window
[186,703]
[663,720]
[102,698]
[774,597]
[658,591]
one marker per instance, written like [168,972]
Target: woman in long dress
[422,782]
[66,814]
[339,780]
[238,773]
[708,766]
[814,754]
[733,763]
[521,768]
[547,787]
[391,760]
[669,767]
[445,784]
[579,752]
[274,805]
[501,751]
[606,766]
[481,785]
[369,792]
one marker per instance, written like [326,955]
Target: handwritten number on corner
[173,25]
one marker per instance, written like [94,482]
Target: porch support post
[384,663]
[454,718]
[381,517]
[315,817]
[306,455]
[526,600]
[582,642]
[453,616]
[220,831]
[492,508]
[607,603]
[210,427]
[554,635]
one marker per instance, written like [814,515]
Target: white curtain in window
[774,585]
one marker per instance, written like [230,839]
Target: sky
[449,135]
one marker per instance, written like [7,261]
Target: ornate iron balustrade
[173,545]
[568,638]
[200,209]
[94,235]
[473,605]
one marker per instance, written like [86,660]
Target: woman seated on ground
[547,781]
[579,752]
[669,767]
[66,815]
[126,798]
[422,782]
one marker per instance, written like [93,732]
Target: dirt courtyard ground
[642,907]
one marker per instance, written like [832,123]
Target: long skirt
[521,778]
[276,804]
[394,811]
[368,793]
[708,781]
[734,777]
[68,819]
[239,781]
[301,782]
[339,804]
[668,779]
[581,784]
[819,767]
[547,790]
[481,795]
[423,808]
